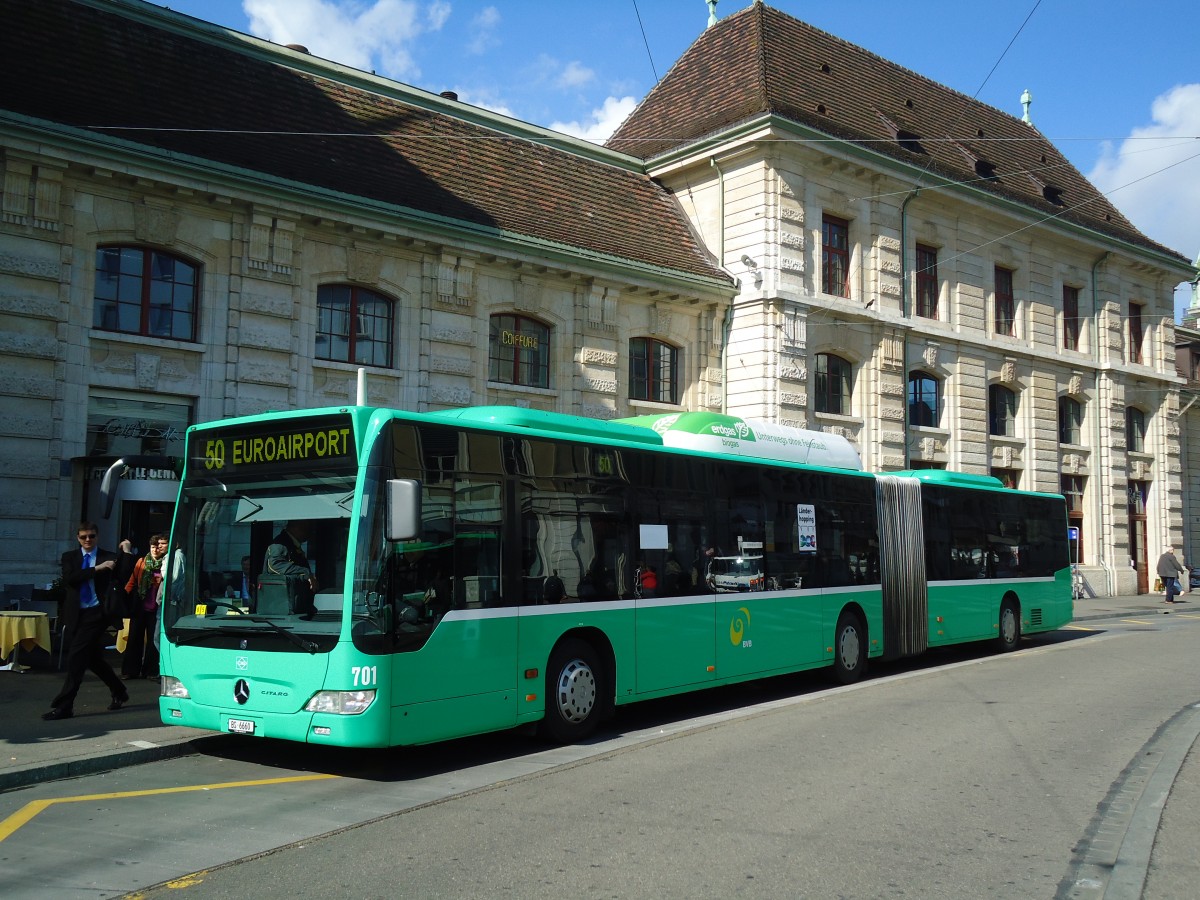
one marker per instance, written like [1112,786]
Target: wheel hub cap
[576,691]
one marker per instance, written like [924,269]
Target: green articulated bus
[481,569]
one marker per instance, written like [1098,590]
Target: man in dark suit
[87,574]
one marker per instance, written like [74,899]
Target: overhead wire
[645,40]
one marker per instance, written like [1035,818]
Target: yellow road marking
[1136,622]
[22,816]
[1078,628]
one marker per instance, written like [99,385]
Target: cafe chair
[17,596]
[49,607]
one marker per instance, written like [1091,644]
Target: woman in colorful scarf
[141,656]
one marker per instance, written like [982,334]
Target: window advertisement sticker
[806,527]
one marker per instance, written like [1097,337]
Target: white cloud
[372,36]
[575,75]
[483,28]
[1153,176]
[437,14]
[599,127]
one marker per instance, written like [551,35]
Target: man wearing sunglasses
[87,575]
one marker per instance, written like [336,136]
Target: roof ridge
[798,74]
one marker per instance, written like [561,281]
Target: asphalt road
[969,775]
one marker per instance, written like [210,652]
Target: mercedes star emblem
[241,691]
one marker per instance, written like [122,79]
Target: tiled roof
[117,64]
[761,61]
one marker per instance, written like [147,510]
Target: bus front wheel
[1010,627]
[849,648]
[573,702]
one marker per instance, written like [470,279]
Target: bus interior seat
[273,596]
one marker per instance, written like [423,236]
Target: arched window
[833,384]
[147,292]
[1002,411]
[519,351]
[1070,421]
[1135,429]
[653,371]
[354,325]
[924,399]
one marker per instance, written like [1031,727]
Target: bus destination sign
[290,443]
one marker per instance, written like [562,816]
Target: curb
[74,768]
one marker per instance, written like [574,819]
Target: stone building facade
[830,252]
[928,277]
[149,281]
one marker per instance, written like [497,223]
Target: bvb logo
[738,626]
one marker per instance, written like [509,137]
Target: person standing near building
[1169,571]
[140,659]
[87,575]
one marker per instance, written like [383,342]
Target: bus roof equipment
[732,436]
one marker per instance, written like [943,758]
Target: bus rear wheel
[573,701]
[1010,627]
[849,648]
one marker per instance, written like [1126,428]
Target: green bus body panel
[674,644]
[469,678]
[281,685]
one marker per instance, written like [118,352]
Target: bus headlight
[341,703]
[173,687]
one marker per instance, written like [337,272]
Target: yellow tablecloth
[32,629]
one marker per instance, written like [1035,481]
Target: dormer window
[1053,194]
[985,170]
[909,141]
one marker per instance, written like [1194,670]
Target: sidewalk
[93,740]
[96,740]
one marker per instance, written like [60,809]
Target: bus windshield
[254,555]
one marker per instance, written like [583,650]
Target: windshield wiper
[307,646]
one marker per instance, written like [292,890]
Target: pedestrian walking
[1169,571]
[87,575]
[140,659]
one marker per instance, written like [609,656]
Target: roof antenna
[1026,102]
[712,12]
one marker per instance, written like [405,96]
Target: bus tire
[1009,637]
[573,700]
[849,648]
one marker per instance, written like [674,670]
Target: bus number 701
[364,676]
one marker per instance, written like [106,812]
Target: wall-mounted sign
[120,425]
[515,339]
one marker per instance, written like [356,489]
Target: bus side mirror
[403,509]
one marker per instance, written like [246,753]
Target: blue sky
[1114,90]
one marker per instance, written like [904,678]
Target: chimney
[449,95]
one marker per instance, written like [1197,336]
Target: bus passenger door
[462,679]
[674,608]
